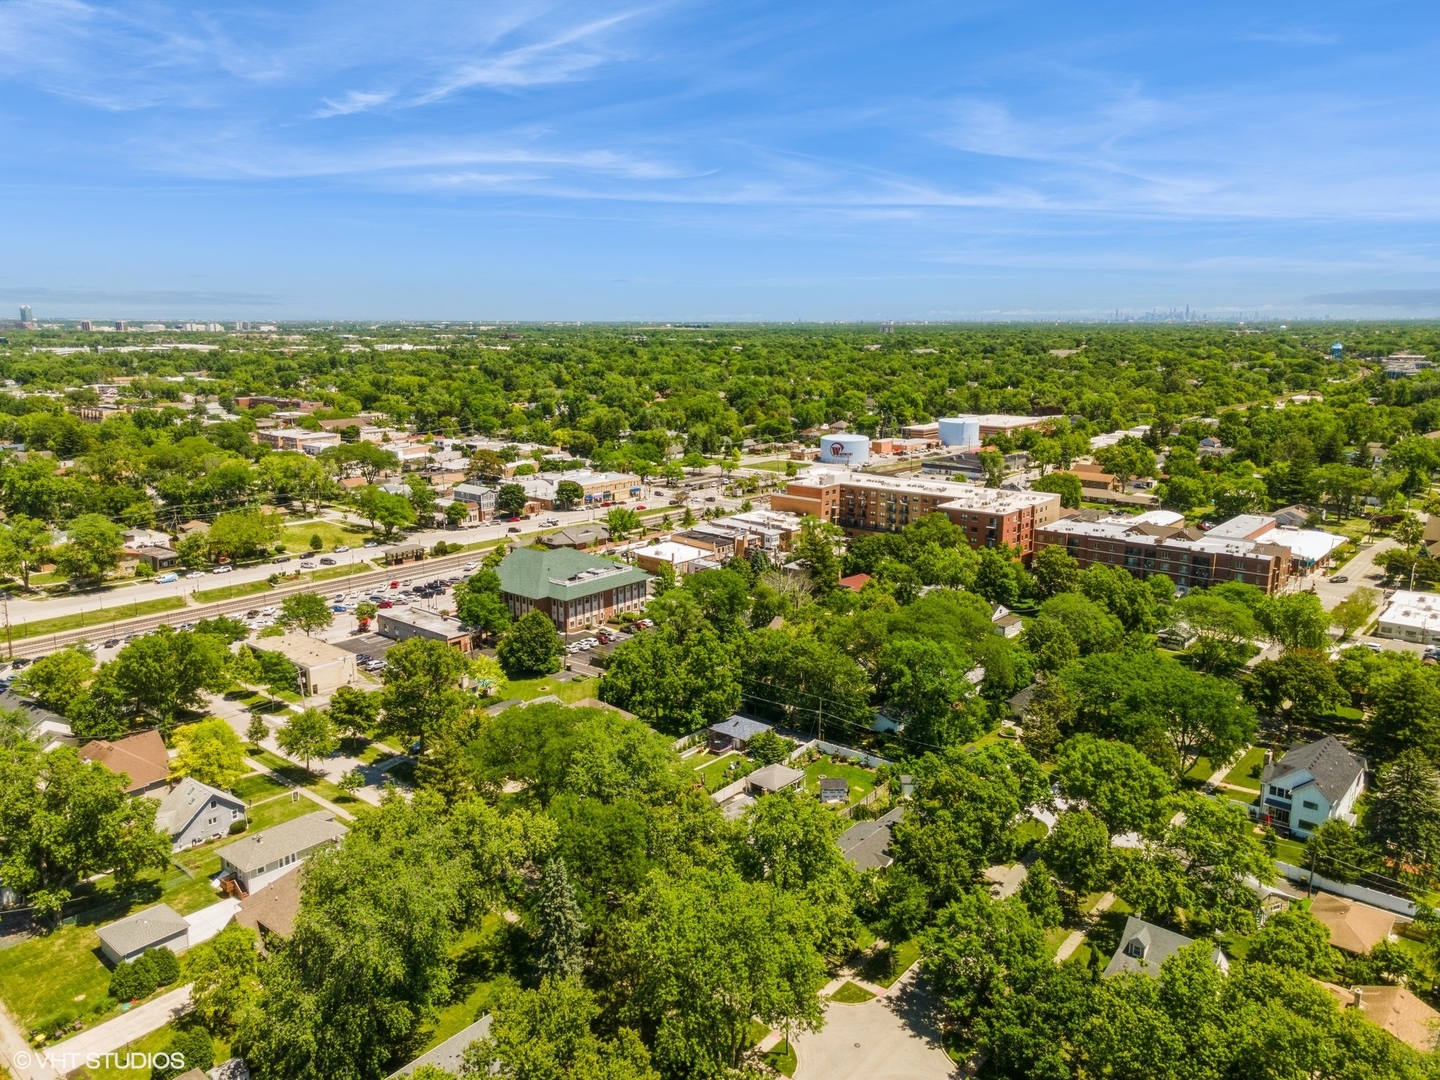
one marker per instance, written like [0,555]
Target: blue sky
[686,160]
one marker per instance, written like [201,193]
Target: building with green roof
[575,589]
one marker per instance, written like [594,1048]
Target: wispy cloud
[353,101]
[1376,298]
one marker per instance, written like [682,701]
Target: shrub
[237,826]
[165,964]
[190,1048]
[134,979]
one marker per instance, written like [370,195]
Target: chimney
[1269,758]
[1357,997]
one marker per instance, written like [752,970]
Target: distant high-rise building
[26,315]
[121,325]
[86,325]
[1337,351]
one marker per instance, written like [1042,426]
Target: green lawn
[296,538]
[230,592]
[48,981]
[1201,771]
[277,811]
[773,465]
[781,1058]
[712,775]
[100,620]
[851,993]
[483,967]
[862,780]
[568,692]
[890,963]
[154,1043]
[300,778]
[258,786]
[1054,938]
[1246,773]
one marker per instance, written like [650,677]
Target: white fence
[1397,904]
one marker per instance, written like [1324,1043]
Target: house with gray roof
[574,589]
[157,927]
[770,779]
[194,812]
[264,856]
[1145,946]
[866,844]
[44,727]
[1313,783]
[450,1054]
[735,733]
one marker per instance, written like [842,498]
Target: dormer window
[1135,949]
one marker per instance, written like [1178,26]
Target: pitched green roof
[562,574]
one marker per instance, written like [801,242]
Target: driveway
[889,1038]
[123,1030]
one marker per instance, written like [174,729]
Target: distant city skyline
[611,161]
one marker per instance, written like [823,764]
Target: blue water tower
[1337,351]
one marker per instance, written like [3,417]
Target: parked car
[268,611]
[113,643]
[471,567]
[21,661]
[222,569]
[165,579]
[253,613]
[195,573]
[342,549]
[337,608]
[513,528]
[372,543]
[386,603]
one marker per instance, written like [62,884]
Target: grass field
[309,780]
[231,592]
[258,786]
[890,963]
[772,465]
[154,1043]
[712,775]
[781,1057]
[862,780]
[483,968]
[276,811]
[850,993]
[1246,773]
[332,534]
[568,692]
[100,620]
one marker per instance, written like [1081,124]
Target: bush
[441,547]
[237,827]
[190,1048]
[165,964]
[134,979]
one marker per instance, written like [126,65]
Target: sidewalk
[15,1050]
[124,1029]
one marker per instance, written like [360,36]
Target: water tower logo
[838,450]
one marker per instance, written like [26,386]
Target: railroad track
[44,644]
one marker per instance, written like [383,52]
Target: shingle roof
[867,843]
[740,727]
[142,757]
[273,906]
[1402,1014]
[37,713]
[538,573]
[290,838]
[1152,943]
[451,1053]
[179,807]
[834,783]
[1328,760]
[1355,927]
[143,929]
[774,777]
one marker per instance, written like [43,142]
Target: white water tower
[853,450]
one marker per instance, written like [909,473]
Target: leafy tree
[1092,628]
[1293,939]
[478,604]
[308,735]
[421,496]
[1126,597]
[1295,621]
[365,611]
[354,712]
[815,549]
[24,547]
[562,930]
[1038,894]
[622,522]
[531,646]
[1225,628]
[55,680]
[1355,610]
[316,544]
[91,550]
[568,495]
[223,973]
[674,680]
[789,675]
[305,611]
[1114,780]
[63,819]
[546,1034]
[1404,811]
[510,499]
[392,512]
[223,627]
[924,682]
[210,752]
[1065,484]
[997,578]
[422,697]
[242,534]
[1048,712]
[767,748]
[1404,699]
[1293,690]
[165,673]
[456,513]
[1077,848]
[979,950]
[1055,570]
[1339,851]
[189,1048]
[257,730]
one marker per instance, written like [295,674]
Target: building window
[1310,806]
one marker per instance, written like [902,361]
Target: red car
[386,603]
[394,584]
[640,508]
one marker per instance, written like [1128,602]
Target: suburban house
[735,733]
[574,589]
[449,1056]
[773,778]
[579,537]
[1393,1008]
[142,757]
[402,624]
[834,789]
[271,910]
[1145,946]
[1354,927]
[157,927]
[156,557]
[1313,783]
[480,496]
[323,667]
[257,860]
[45,728]
[866,844]
[194,812]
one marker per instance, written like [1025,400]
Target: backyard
[713,774]
[861,779]
[1246,772]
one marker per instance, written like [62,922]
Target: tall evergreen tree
[562,930]
[1405,812]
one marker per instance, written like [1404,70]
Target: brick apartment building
[575,589]
[867,502]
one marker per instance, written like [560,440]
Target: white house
[194,812]
[264,856]
[1312,784]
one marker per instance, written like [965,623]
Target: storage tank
[961,431]
[844,449]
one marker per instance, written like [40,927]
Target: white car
[222,569]
[195,573]
[267,612]
[342,549]
[307,565]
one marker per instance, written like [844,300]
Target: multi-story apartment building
[1156,543]
[868,502]
[574,589]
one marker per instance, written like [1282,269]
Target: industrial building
[852,450]
[971,429]
[1156,543]
[866,502]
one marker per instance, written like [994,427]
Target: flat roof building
[1189,558]
[1411,616]
[575,589]
[681,558]
[870,502]
[403,624]
[323,667]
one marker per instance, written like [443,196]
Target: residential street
[123,1030]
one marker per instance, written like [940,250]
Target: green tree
[422,697]
[1293,939]
[210,752]
[568,495]
[257,730]
[1295,621]
[1066,485]
[1040,897]
[531,646]
[1294,690]
[622,522]
[189,1048]
[24,547]
[767,748]
[478,604]
[1115,781]
[1340,851]
[1078,850]
[1404,812]
[223,975]
[1404,699]
[354,712]
[421,497]
[1355,610]
[166,672]
[393,512]
[308,735]
[1047,714]
[306,611]
[63,820]
[815,548]
[562,930]
[674,680]
[924,682]
[243,534]
[365,611]
[1055,571]
[511,500]
[91,550]
[55,680]
[979,950]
